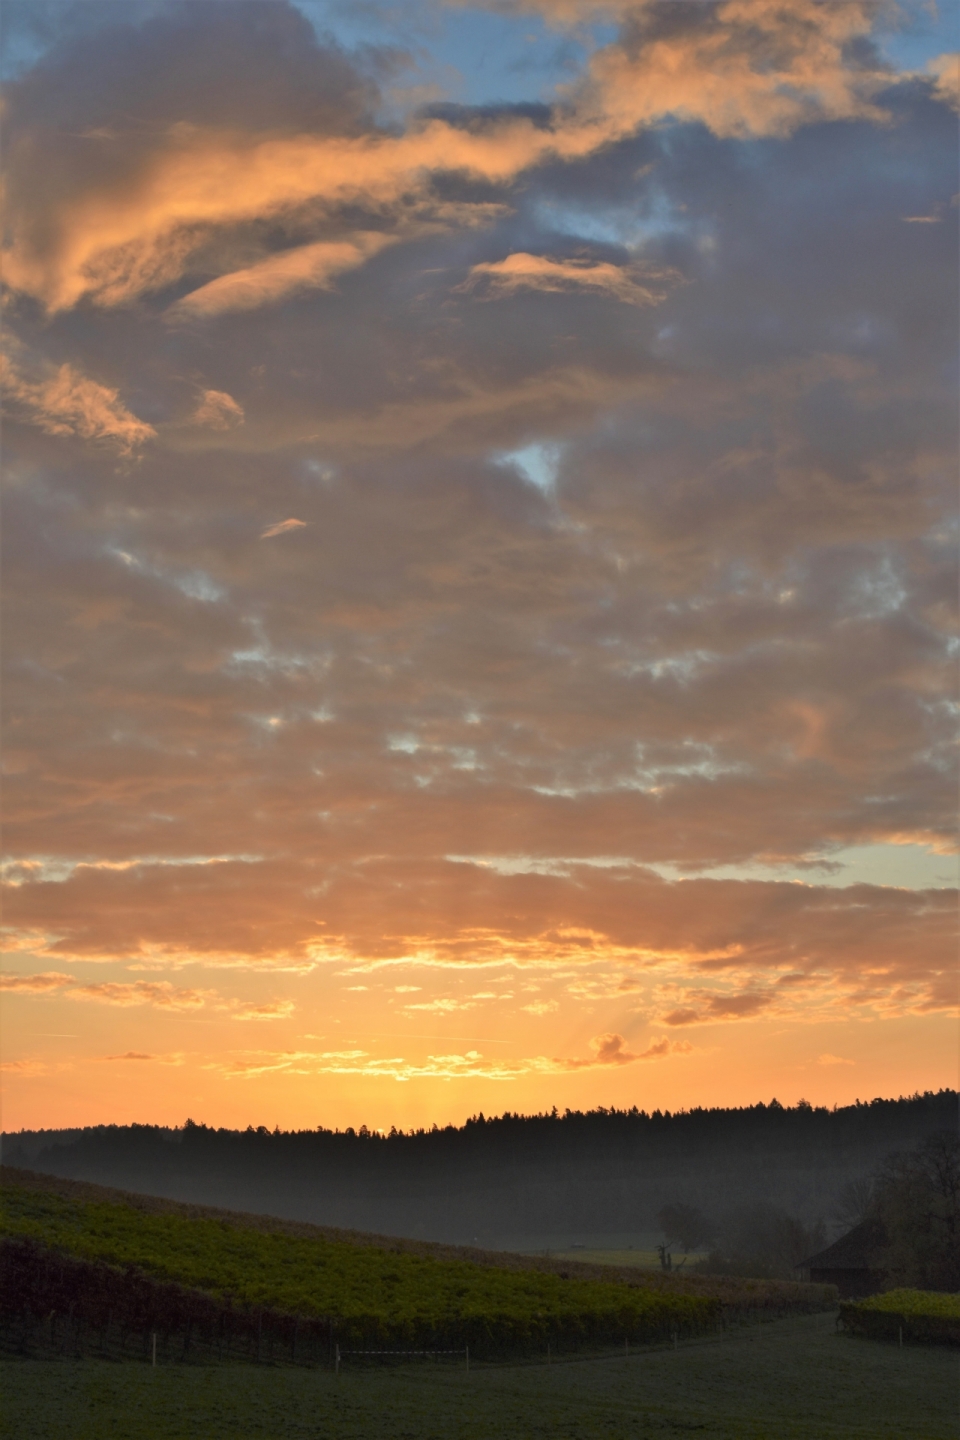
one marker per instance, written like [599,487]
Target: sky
[479,554]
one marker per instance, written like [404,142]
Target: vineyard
[122,1271]
[922,1315]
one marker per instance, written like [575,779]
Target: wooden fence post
[468,1359]
[336,1367]
[153,1348]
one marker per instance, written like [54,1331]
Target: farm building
[854,1263]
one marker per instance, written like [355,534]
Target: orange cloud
[142,992]
[116,246]
[36,984]
[62,401]
[159,993]
[271,1010]
[282,527]
[726,945]
[218,410]
[521,271]
[271,280]
[745,67]
[470,1066]
[612,1049]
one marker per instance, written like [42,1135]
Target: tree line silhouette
[591,1171]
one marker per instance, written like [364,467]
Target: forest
[513,1180]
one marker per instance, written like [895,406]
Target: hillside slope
[84,1270]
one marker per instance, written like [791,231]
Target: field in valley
[574,1347]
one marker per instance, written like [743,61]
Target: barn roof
[859,1249]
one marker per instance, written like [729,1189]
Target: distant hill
[601,1171]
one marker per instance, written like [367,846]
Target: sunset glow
[480,532]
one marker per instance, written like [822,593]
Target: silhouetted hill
[597,1172]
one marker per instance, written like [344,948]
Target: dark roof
[860,1249]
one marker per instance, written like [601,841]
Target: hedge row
[922,1315]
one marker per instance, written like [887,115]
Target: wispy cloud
[282,527]
[270,1010]
[609,1050]
[442,1005]
[162,994]
[273,279]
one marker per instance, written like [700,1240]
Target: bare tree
[855,1202]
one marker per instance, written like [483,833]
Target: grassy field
[790,1378]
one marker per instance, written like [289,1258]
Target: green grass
[789,1379]
[373,1292]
